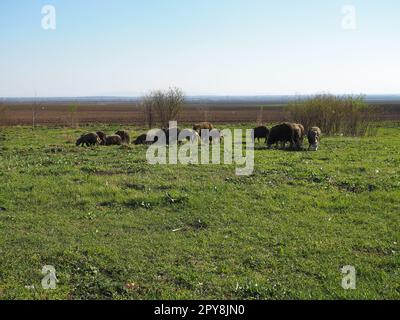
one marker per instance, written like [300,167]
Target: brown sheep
[314,137]
[285,132]
[203,126]
[89,139]
[303,132]
[124,136]
[113,140]
[102,137]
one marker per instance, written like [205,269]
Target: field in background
[67,114]
[115,227]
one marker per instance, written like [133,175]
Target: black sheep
[113,140]
[261,132]
[285,132]
[89,139]
[142,139]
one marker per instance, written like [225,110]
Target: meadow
[115,227]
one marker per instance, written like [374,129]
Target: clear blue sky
[227,47]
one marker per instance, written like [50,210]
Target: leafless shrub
[148,112]
[166,105]
[346,115]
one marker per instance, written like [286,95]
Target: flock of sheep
[281,134]
[100,138]
[294,133]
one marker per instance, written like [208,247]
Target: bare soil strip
[61,114]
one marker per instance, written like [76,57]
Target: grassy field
[115,227]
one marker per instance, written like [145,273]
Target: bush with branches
[346,115]
[164,106]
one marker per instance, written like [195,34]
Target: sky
[205,47]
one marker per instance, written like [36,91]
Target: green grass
[105,218]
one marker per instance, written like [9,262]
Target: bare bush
[346,115]
[148,112]
[166,105]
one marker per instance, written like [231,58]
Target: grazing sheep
[89,139]
[124,136]
[203,126]
[314,137]
[298,133]
[153,135]
[285,132]
[102,137]
[142,139]
[261,132]
[303,132]
[113,140]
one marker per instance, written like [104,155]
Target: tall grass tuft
[347,115]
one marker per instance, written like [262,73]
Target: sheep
[203,126]
[285,132]
[142,139]
[303,132]
[124,136]
[299,133]
[153,135]
[261,132]
[314,137]
[102,137]
[89,139]
[113,140]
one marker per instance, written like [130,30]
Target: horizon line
[199,96]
